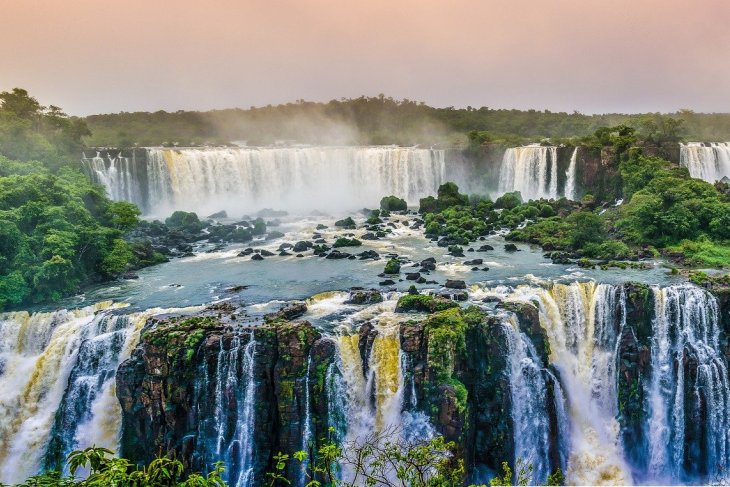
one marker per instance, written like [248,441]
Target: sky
[594,56]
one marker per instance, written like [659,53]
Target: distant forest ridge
[384,120]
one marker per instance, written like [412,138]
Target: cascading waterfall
[227,434]
[532,170]
[570,191]
[242,180]
[57,375]
[583,327]
[688,394]
[529,405]
[307,436]
[118,174]
[708,161]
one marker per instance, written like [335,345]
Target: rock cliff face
[184,391]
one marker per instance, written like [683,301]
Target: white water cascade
[241,180]
[686,330]
[528,390]
[532,170]
[118,174]
[570,191]
[57,378]
[583,327]
[227,436]
[708,161]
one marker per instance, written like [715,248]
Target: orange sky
[92,56]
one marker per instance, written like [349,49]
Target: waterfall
[708,161]
[532,170]
[227,434]
[241,180]
[57,378]
[307,436]
[570,176]
[688,396]
[118,174]
[583,322]
[528,390]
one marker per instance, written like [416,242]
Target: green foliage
[186,221]
[30,131]
[392,266]
[703,252]
[122,215]
[509,200]
[587,228]
[393,203]
[106,470]
[424,303]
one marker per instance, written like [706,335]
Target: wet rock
[474,262]
[284,253]
[455,284]
[245,252]
[285,246]
[485,248]
[257,257]
[218,215]
[368,254]
[412,276]
[364,296]
[266,253]
[510,247]
[369,236]
[302,246]
[336,254]
[387,282]
[321,227]
[130,276]
[288,312]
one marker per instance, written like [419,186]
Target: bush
[509,200]
[393,203]
[186,221]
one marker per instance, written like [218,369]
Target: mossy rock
[423,303]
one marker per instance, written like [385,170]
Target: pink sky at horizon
[97,56]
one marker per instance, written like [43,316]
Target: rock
[474,262]
[320,241]
[485,269]
[412,276]
[285,246]
[302,246]
[288,312]
[321,227]
[236,289]
[475,268]
[429,264]
[492,299]
[245,252]
[130,276]
[299,255]
[257,257]
[510,247]
[336,254]
[423,303]
[369,254]
[485,248]
[218,215]
[364,296]
[421,280]
[284,253]
[266,253]
[369,236]
[455,284]
[348,223]
[392,266]
[387,282]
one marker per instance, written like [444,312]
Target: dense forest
[381,120]
[58,231]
